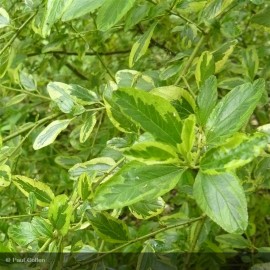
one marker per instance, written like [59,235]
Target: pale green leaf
[132,78]
[236,152]
[43,193]
[233,111]
[222,54]
[42,227]
[151,152]
[213,8]
[94,166]
[67,161]
[147,209]
[27,81]
[5,176]
[87,127]
[78,8]
[5,60]
[250,61]
[61,93]
[108,227]
[205,67]
[49,134]
[222,198]
[118,119]
[140,47]
[135,182]
[154,114]
[188,137]
[22,234]
[112,12]
[59,214]
[15,100]
[84,186]
[206,99]
[53,12]
[4,18]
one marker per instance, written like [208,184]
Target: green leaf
[78,8]
[118,119]
[151,153]
[180,98]
[87,127]
[43,193]
[15,100]
[233,240]
[59,214]
[112,12]
[67,161]
[188,137]
[236,152]
[140,47]
[213,8]
[84,186]
[82,95]
[222,54]
[49,134]
[27,81]
[22,234]
[108,228]
[205,68]
[136,14]
[42,227]
[233,111]
[146,258]
[222,198]
[96,166]
[5,60]
[262,18]
[250,61]
[61,94]
[147,209]
[154,114]
[5,176]
[206,99]
[135,182]
[53,12]
[132,78]
[4,18]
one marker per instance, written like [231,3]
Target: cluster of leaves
[135,126]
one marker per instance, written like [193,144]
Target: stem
[25,92]
[19,216]
[40,122]
[190,60]
[17,33]
[76,54]
[145,237]
[108,172]
[198,230]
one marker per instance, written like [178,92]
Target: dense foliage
[134,134]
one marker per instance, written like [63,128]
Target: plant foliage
[138,127]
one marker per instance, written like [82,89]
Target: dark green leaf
[112,12]
[108,227]
[206,99]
